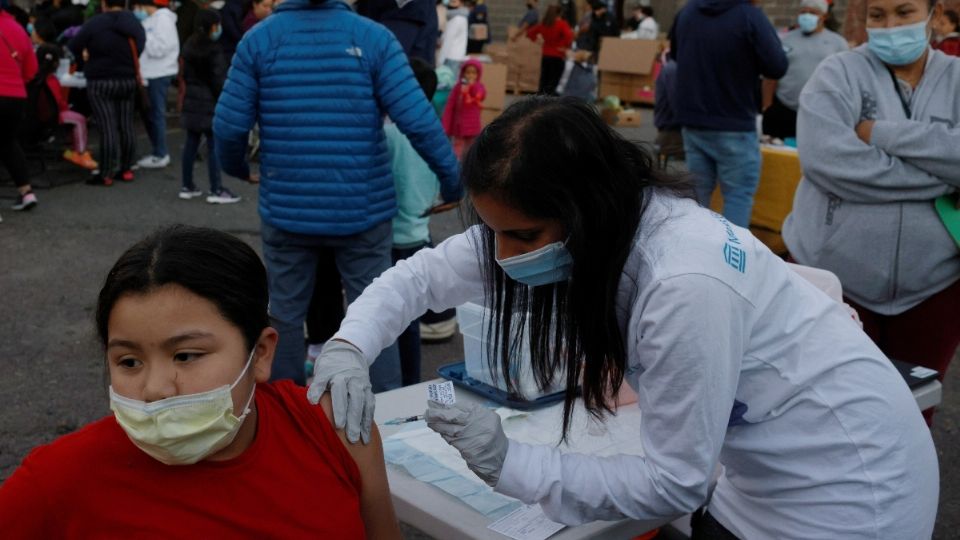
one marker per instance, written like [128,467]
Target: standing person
[947,33]
[415,24]
[461,116]
[602,24]
[256,11]
[479,23]
[557,38]
[158,66]
[453,41]
[111,43]
[722,48]
[530,19]
[806,46]
[669,141]
[203,75]
[643,22]
[18,66]
[878,148]
[736,359]
[325,177]
[231,20]
[48,59]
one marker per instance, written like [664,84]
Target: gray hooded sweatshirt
[865,211]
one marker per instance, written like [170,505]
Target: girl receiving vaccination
[461,117]
[199,443]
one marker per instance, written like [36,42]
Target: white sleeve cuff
[523,463]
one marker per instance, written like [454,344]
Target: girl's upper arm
[376,505]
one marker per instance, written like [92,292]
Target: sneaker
[154,162]
[25,202]
[99,180]
[187,193]
[127,176]
[81,160]
[222,197]
[438,331]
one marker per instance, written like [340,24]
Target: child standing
[461,117]
[203,74]
[48,58]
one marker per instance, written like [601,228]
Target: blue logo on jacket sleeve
[733,254]
[735,257]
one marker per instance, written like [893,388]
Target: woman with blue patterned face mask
[618,276]
[878,136]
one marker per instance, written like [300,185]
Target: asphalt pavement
[53,261]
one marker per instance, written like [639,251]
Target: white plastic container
[473,320]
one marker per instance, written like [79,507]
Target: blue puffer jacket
[319,79]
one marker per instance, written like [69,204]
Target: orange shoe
[87,161]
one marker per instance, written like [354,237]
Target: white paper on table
[526,523]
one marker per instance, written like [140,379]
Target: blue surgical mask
[140,14]
[549,264]
[808,22]
[215,35]
[900,45]
[30,29]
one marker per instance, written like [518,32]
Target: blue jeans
[291,274]
[157,127]
[190,147]
[731,158]
[409,340]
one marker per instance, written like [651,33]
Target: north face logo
[355,51]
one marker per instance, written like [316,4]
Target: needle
[403,420]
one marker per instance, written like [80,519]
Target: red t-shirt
[296,480]
[556,38]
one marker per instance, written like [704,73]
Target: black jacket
[204,71]
[106,37]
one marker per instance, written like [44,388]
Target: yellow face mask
[182,430]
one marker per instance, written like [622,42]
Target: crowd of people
[608,263]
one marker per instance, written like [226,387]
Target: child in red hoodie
[461,117]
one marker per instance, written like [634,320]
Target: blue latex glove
[476,433]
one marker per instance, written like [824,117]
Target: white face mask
[182,430]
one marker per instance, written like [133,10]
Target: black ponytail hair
[209,263]
[554,158]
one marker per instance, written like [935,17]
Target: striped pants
[112,101]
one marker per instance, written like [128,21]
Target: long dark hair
[550,17]
[554,158]
[211,264]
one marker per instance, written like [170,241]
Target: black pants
[326,305]
[112,101]
[705,527]
[11,154]
[779,120]
[551,70]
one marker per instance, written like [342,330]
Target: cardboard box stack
[627,69]
[522,59]
[495,81]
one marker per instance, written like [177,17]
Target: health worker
[621,276]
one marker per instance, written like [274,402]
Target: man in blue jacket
[722,48]
[319,79]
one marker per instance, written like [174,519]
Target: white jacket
[453,42]
[161,53]
[736,360]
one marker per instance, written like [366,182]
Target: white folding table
[438,514]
